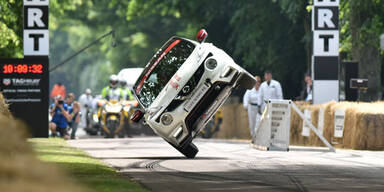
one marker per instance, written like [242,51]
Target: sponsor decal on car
[196,97]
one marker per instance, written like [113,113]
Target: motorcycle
[92,120]
[112,118]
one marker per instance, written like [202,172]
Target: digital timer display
[23,69]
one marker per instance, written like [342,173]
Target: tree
[362,24]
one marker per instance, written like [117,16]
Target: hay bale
[19,168]
[363,126]
[4,107]
[234,126]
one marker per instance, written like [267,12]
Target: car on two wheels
[182,87]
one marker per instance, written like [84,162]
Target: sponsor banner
[274,127]
[24,84]
[21,82]
[305,132]
[320,122]
[339,122]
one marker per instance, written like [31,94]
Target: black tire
[189,151]
[121,133]
[111,125]
[246,81]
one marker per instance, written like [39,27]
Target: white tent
[130,75]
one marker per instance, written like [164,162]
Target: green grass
[84,169]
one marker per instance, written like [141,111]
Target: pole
[112,32]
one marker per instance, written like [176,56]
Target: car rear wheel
[246,81]
[189,151]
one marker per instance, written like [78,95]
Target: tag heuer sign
[6,82]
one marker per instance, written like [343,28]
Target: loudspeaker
[351,72]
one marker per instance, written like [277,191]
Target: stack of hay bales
[363,126]
[235,123]
[19,168]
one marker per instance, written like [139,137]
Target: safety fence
[344,124]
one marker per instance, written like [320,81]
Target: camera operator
[59,118]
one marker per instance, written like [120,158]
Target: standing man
[85,101]
[307,92]
[269,89]
[250,103]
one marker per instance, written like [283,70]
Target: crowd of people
[67,114]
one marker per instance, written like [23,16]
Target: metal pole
[112,32]
[298,111]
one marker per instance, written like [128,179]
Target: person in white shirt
[250,103]
[269,89]
[85,101]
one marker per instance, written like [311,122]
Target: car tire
[189,151]
[246,81]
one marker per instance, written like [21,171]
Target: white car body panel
[172,132]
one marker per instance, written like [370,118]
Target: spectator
[85,101]
[70,99]
[306,94]
[250,102]
[59,118]
[269,89]
[74,120]
[58,90]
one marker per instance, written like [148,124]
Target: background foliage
[260,35]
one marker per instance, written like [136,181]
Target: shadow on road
[166,158]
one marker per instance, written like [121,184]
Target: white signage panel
[326,43]
[36,42]
[320,122]
[326,90]
[326,2]
[339,122]
[305,132]
[36,2]
[36,27]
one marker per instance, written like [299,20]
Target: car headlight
[166,119]
[211,63]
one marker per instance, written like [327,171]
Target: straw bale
[4,107]
[363,126]
[19,168]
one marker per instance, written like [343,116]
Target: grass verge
[85,170]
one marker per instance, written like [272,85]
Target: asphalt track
[236,166]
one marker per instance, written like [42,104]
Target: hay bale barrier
[20,170]
[363,125]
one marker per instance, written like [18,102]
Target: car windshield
[161,68]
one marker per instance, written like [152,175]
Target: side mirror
[201,35]
[137,116]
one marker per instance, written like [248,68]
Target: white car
[182,87]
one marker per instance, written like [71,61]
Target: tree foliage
[260,35]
